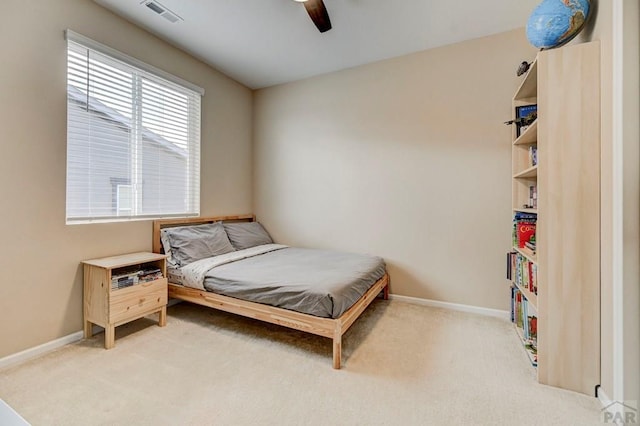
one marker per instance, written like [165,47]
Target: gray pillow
[166,246]
[247,234]
[191,243]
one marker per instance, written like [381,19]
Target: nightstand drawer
[131,302]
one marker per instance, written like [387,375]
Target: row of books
[526,323]
[123,281]
[131,276]
[533,155]
[522,271]
[524,228]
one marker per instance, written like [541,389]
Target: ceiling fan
[318,14]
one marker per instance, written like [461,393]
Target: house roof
[95,105]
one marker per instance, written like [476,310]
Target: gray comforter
[317,282]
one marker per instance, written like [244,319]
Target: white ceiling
[261,43]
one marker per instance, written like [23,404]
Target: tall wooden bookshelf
[525,178]
[564,83]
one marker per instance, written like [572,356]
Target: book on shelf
[522,272]
[129,276]
[123,281]
[525,116]
[524,228]
[533,328]
[124,278]
[513,306]
[518,309]
[511,265]
[150,274]
[533,196]
[526,323]
[531,283]
[533,156]
[150,277]
[124,273]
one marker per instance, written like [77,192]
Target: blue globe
[555,22]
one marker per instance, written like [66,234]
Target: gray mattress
[316,282]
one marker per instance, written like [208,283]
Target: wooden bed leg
[337,351]
[385,292]
[337,345]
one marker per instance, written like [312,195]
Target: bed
[228,282]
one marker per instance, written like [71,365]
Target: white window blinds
[133,138]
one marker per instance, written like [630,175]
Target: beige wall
[406,158]
[40,278]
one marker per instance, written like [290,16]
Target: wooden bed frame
[326,327]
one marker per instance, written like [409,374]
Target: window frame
[192,190]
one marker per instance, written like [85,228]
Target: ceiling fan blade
[318,14]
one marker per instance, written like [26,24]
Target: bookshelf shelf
[531,297]
[529,87]
[530,354]
[531,172]
[529,136]
[523,210]
[527,253]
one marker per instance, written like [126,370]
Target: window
[133,138]
[123,200]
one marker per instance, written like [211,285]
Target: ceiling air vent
[162,10]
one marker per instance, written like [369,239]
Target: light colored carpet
[403,365]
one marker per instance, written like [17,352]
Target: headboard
[168,223]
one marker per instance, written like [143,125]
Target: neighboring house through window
[133,138]
[121,196]
[124,197]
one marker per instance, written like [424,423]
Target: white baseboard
[453,306]
[603,398]
[34,352]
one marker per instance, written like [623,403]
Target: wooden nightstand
[110,303]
